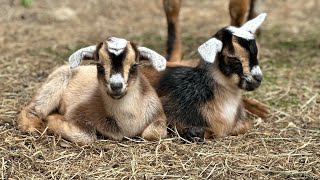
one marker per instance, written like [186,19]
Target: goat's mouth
[116,91]
[116,95]
[249,83]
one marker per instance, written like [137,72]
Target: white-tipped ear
[76,58]
[158,61]
[252,25]
[210,49]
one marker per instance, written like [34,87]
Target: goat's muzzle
[253,80]
[250,83]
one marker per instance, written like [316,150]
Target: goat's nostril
[258,78]
[116,86]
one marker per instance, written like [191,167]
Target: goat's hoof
[194,134]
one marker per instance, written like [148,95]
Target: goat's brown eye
[234,60]
[133,68]
[101,69]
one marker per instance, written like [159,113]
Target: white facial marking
[116,45]
[76,58]
[116,78]
[252,25]
[209,49]
[256,71]
[240,33]
[158,61]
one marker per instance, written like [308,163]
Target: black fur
[171,38]
[188,89]
[117,61]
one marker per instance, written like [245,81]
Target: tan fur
[239,11]
[29,122]
[128,62]
[107,64]
[172,9]
[242,54]
[74,104]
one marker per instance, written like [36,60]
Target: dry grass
[35,40]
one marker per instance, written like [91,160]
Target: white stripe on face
[240,32]
[256,71]
[116,78]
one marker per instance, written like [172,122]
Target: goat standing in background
[206,100]
[240,12]
[112,98]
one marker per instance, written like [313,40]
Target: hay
[286,145]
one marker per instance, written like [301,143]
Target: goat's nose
[116,86]
[258,77]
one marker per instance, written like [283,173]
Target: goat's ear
[209,50]
[158,61]
[81,54]
[252,25]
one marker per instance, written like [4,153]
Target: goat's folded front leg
[70,130]
[156,130]
[255,107]
[109,128]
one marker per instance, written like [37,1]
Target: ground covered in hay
[36,39]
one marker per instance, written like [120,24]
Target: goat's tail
[45,101]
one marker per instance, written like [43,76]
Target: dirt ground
[34,40]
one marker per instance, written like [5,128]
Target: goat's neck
[222,83]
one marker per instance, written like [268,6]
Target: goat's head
[117,61]
[234,51]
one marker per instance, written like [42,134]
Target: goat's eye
[234,60]
[133,67]
[101,69]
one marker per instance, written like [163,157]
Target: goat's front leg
[157,129]
[174,47]
[255,107]
[241,124]
[69,130]
[240,127]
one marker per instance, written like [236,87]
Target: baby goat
[112,98]
[206,100]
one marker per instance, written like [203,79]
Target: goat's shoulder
[189,83]
[83,87]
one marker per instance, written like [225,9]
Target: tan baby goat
[112,98]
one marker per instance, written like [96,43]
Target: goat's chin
[117,96]
[249,86]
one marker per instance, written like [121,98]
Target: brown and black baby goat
[112,98]
[206,100]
